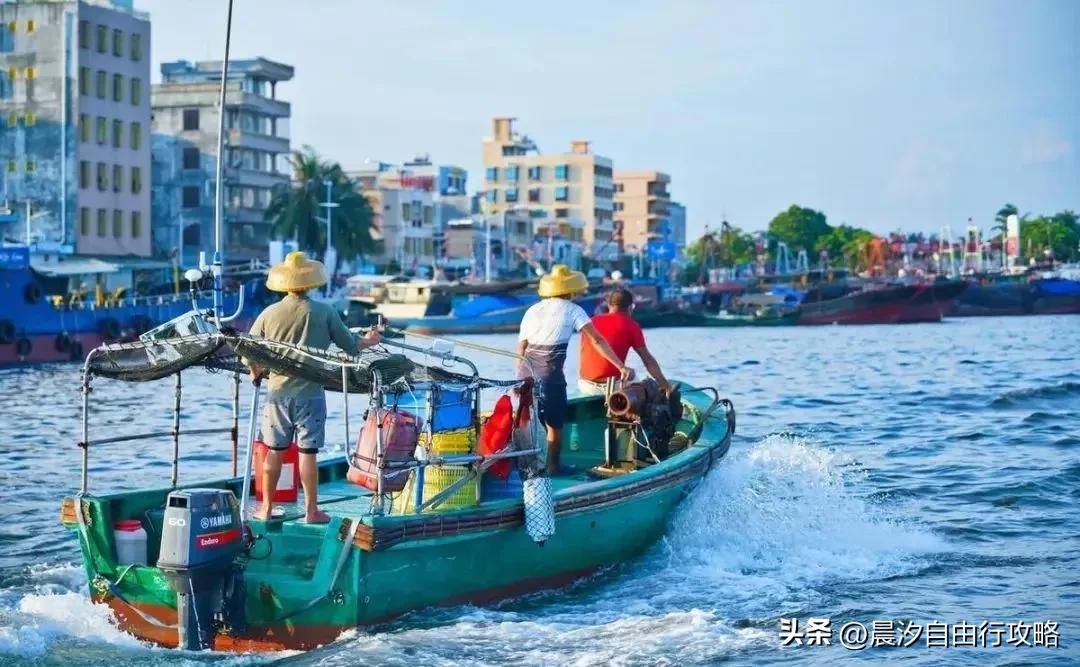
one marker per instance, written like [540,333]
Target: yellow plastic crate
[460,441]
[435,480]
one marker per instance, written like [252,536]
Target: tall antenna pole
[219,190]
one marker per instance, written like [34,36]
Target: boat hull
[889,305]
[507,320]
[653,320]
[401,563]
[931,303]
[1047,296]
[43,333]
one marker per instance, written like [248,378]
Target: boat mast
[219,193]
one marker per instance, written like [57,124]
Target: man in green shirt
[296,408]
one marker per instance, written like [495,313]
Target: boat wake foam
[47,619]
[51,604]
[777,520]
[765,530]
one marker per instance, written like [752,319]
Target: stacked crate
[451,429]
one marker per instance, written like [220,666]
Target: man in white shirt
[545,333]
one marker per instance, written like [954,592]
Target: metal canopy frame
[379,388]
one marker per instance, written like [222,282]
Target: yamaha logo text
[216,521]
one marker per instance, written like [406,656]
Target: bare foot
[262,514]
[318,516]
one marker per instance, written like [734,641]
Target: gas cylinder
[288,486]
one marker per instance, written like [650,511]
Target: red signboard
[426,183]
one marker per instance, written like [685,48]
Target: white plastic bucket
[130,541]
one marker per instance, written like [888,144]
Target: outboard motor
[201,537]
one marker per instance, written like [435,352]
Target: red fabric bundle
[496,433]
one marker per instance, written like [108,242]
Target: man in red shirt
[622,333]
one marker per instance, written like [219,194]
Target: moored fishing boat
[42,319]
[1001,294]
[239,584]
[932,301]
[878,304]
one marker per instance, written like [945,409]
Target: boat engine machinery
[201,540]
[642,421]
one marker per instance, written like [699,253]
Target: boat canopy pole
[377,395]
[234,432]
[345,401]
[219,190]
[85,443]
[467,345]
[253,420]
[429,351]
[176,433]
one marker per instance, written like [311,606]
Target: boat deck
[344,499]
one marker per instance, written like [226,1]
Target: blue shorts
[553,403]
[300,420]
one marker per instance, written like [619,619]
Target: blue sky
[882,114]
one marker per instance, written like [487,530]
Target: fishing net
[153,359]
[144,361]
[321,366]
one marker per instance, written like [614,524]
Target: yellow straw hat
[296,273]
[562,281]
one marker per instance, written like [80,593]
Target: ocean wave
[1038,395]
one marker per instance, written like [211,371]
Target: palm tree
[296,208]
[1002,215]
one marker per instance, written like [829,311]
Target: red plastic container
[401,431]
[288,486]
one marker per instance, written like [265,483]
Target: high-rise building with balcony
[641,207]
[573,189]
[185,149]
[74,126]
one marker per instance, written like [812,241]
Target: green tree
[1002,216]
[295,209]
[727,247]
[799,228]
[844,243]
[1059,233]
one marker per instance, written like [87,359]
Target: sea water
[912,473]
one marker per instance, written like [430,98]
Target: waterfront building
[573,189]
[74,126]
[641,207]
[508,235]
[677,224]
[449,183]
[406,219]
[185,150]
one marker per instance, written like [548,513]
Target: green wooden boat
[303,585]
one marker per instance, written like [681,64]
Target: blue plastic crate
[453,406]
[493,488]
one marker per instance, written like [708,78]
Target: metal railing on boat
[440,349]
[84,443]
